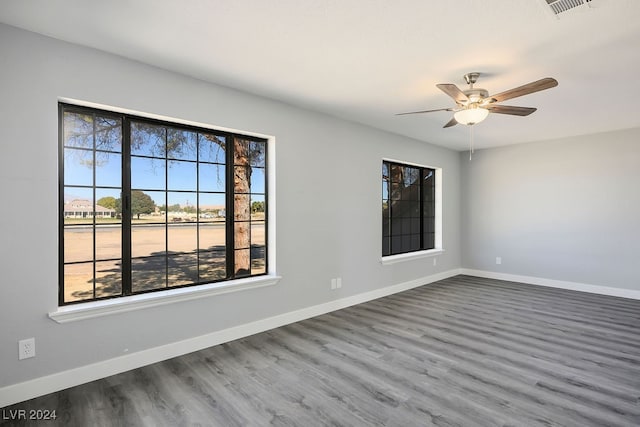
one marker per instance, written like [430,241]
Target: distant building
[81,208]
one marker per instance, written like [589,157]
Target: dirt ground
[194,255]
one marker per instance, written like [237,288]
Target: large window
[408,208]
[147,205]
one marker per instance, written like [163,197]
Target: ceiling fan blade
[425,111]
[454,92]
[450,123]
[532,87]
[508,109]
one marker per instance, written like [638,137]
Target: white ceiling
[365,60]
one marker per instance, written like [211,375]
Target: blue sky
[150,174]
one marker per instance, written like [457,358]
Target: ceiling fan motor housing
[476,95]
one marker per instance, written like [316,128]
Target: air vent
[560,6]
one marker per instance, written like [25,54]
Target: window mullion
[61,183]
[421,201]
[126,206]
[230,206]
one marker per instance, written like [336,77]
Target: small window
[148,205]
[408,208]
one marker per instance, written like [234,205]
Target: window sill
[392,259]
[93,309]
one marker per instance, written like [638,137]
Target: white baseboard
[574,286]
[51,383]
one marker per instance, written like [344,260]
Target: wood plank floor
[464,351]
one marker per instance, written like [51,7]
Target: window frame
[127,118]
[421,252]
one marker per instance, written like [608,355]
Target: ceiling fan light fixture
[471,115]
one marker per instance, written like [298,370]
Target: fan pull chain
[471,142]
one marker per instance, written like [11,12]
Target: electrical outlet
[26,348]
[498,260]
[339,283]
[334,283]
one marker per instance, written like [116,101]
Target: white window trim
[89,310]
[393,259]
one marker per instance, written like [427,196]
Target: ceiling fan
[474,104]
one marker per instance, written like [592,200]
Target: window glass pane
[182,237]
[396,244]
[428,224]
[182,175]
[243,263]
[78,167]
[108,169]
[108,207]
[212,236]
[415,225]
[147,174]
[242,177]
[241,207]
[406,225]
[148,239]
[242,235]
[182,206]
[257,180]
[257,207]
[78,243]
[143,207]
[258,236]
[396,190]
[182,270]
[405,209]
[212,266]
[212,177]
[396,173]
[429,209]
[78,205]
[212,206]
[108,134]
[108,279]
[386,250]
[148,273]
[78,130]
[211,148]
[386,226]
[241,152]
[108,241]
[429,239]
[414,242]
[257,154]
[258,259]
[159,200]
[385,171]
[411,176]
[181,144]
[385,189]
[148,140]
[78,282]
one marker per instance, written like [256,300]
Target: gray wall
[567,209]
[328,203]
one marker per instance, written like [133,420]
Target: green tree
[108,202]
[141,203]
[257,207]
